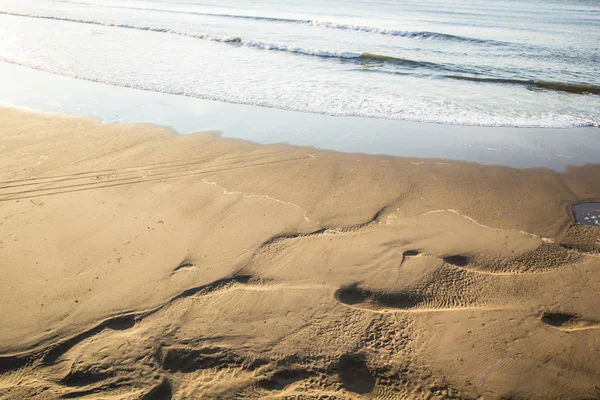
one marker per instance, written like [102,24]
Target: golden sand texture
[139,264]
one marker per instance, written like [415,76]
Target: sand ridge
[140,264]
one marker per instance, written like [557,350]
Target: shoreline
[564,87]
[220,134]
[261,259]
[518,147]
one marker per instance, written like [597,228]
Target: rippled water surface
[495,63]
[587,213]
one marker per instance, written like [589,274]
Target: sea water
[511,63]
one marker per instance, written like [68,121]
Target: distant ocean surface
[520,63]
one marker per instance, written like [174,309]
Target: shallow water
[517,147]
[587,213]
[525,63]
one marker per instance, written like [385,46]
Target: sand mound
[138,264]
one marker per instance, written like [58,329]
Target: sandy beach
[136,263]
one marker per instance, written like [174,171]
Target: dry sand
[139,264]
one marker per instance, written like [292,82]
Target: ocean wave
[574,88]
[363,57]
[344,55]
[406,34]
[321,24]
[417,112]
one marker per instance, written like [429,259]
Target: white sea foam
[411,109]
[299,50]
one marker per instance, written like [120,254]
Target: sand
[139,264]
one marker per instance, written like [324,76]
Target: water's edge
[555,148]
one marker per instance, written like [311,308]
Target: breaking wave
[575,88]
[321,24]
[345,55]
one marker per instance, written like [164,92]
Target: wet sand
[514,147]
[138,263]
